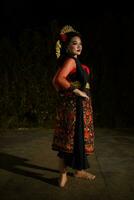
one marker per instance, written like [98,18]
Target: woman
[74,131]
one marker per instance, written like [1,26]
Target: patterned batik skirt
[74,130]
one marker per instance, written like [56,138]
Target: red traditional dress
[74,130]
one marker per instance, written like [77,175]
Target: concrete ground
[29,168]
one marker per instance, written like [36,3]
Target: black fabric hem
[69,160]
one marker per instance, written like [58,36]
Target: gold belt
[78,85]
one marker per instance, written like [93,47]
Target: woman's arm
[54,80]
[60,78]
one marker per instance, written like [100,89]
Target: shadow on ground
[17,165]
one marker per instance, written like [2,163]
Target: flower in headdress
[63,37]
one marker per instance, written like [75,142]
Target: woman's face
[75,46]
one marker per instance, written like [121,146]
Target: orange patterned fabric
[63,139]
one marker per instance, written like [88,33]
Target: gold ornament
[58,47]
[67,29]
[64,30]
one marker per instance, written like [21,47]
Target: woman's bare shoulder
[70,61]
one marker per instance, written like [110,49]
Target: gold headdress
[64,30]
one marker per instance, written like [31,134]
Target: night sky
[19,15]
[93,21]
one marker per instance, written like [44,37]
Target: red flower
[63,37]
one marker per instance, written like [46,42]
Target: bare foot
[85,175]
[63,179]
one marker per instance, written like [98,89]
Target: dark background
[28,34]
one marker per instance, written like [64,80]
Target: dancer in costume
[73,137]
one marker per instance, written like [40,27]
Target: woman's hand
[80,93]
